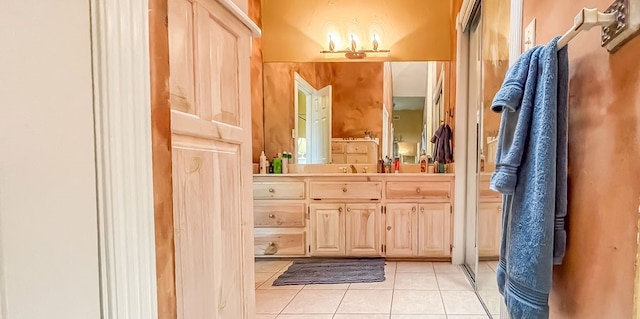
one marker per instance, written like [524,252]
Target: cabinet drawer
[357,148]
[358,159]
[419,190]
[274,242]
[355,190]
[337,159]
[337,148]
[278,190]
[279,214]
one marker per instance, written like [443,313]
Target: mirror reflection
[353,113]
[494,64]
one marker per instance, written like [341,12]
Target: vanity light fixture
[353,52]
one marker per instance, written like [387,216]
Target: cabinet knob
[344,189]
[413,209]
[348,209]
[418,190]
[422,209]
[340,209]
[279,222]
[388,227]
[271,190]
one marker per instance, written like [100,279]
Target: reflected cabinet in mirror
[353,112]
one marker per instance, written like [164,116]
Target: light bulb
[353,44]
[332,45]
[375,43]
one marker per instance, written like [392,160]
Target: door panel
[211,147]
[402,230]
[362,224]
[489,230]
[327,229]
[434,229]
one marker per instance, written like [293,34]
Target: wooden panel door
[362,225]
[489,229]
[434,230]
[211,143]
[327,228]
[402,230]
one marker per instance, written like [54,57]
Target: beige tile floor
[412,290]
[488,287]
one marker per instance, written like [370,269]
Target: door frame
[299,83]
[122,106]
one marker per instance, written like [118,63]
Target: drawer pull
[344,189]
[271,249]
[348,209]
[340,209]
[422,209]
[388,227]
[413,209]
[418,190]
[272,216]
[271,190]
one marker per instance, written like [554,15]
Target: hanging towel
[526,173]
[442,152]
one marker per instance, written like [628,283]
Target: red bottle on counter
[396,165]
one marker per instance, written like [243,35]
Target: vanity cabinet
[353,215]
[354,152]
[280,218]
[418,218]
[489,220]
[345,229]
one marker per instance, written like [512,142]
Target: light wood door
[489,229]
[211,144]
[402,230]
[434,229]
[362,225]
[327,229]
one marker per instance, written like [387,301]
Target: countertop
[355,175]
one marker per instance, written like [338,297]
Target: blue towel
[526,170]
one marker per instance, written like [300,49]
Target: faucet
[364,169]
[353,169]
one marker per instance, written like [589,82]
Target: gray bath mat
[332,271]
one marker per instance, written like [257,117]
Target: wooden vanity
[353,215]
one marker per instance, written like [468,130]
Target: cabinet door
[362,238]
[434,230]
[211,137]
[402,230]
[327,229]
[489,229]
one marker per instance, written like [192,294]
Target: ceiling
[414,30]
[409,78]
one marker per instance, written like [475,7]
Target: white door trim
[122,106]
[460,151]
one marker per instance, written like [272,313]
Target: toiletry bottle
[423,163]
[263,163]
[270,167]
[277,164]
[285,163]
[396,165]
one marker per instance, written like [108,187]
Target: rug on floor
[332,271]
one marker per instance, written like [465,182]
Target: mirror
[353,112]
[494,64]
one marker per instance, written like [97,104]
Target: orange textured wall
[357,98]
[597,278]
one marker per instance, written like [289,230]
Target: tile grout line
[341,300]
[393,289]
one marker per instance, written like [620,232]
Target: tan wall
[161,155]
[257,91]
[357,99]
[597,278]
[409,125]
[414,30]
